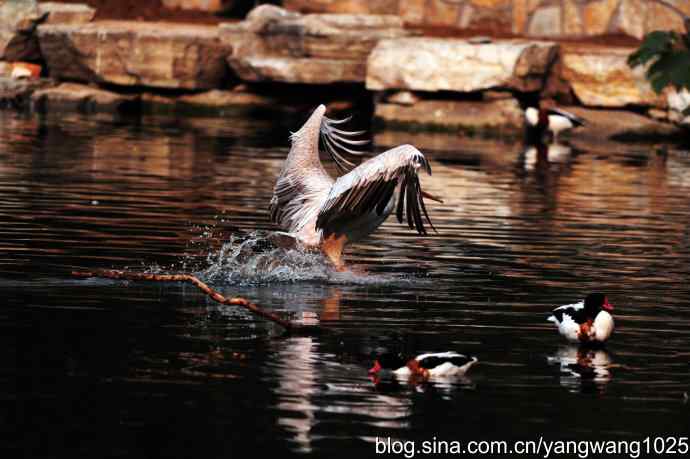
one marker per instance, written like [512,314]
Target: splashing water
[255,259]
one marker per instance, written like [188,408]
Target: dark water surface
[99,368]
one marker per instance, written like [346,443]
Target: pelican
[325,213]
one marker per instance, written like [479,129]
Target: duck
[587,322]
[422,367]
[554,120]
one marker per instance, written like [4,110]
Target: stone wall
[477,83]
[532,18]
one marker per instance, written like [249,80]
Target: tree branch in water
[215,296]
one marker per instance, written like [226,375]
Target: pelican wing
[370,186]
[303,183]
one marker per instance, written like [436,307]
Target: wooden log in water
[215,295]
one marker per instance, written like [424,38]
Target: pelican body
[327,213]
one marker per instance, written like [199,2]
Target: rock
[163,55]
[619,125]
[546,22]
[600,77]
[274,31]
[298,70]
[572,18]
[493,117]
[489,15]
[434,64]
[66,13]
[223,99]
[678,102]
[630,18]
[597,16]
[660,17]
[402,98]
[212,6]
[658,114]
[276,44]
[16,93]
[343,6]
[18,20]
[78,97]
[491,94]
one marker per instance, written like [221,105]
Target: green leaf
[672,68]
[653,45]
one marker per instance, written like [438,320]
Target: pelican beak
[432,197]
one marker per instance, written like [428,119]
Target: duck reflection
[583,369]
[542,157]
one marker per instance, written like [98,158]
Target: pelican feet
[332,247]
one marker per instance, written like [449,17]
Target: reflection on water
[583,368]
[161,370]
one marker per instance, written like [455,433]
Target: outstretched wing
[303,183]
[576,120]
[370,186]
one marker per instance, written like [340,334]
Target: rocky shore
[55,57]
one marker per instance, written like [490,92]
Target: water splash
[255,259]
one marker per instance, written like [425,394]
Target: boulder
[212,6]
[435,64]
[630,18]
[299,70]
[163,55]
[18,20]
[280,45]
[220,99]
[546,22]
[600,77]
[494,117]
[16,93]
[78,97]
[66,13]
[343,6]
[619,125]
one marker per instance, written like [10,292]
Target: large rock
[213,6]
[66,13]
[160,55]
[280,45]
[619,125]
[600,77]
[630,18]
[78,97]
[16,93]
[299,70]
[493,117]
[343,6]
[434,64]
[18,20]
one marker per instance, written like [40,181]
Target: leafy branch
[666,55]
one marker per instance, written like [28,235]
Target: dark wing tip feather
[338,143]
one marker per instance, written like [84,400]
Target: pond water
[101,368]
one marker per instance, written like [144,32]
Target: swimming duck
[424,366]
[588,321]
[552,119]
